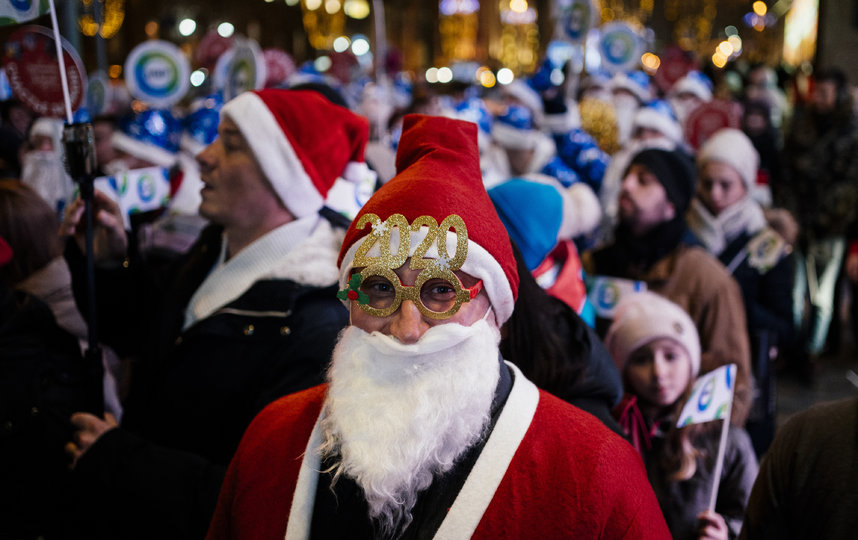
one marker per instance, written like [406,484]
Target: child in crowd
[656,348]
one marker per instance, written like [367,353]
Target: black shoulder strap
[336,219]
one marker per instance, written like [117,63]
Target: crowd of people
[398,312]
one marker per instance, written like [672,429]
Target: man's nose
[408,324]
[206,158]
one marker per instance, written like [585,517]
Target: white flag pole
[61,62]
[719,462]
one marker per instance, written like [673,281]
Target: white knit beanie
[732,147]
[643,317]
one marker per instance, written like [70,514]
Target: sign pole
[62,63]
[719,462]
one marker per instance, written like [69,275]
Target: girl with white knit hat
[733,228]
[656,349]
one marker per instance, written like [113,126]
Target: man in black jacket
[247,315]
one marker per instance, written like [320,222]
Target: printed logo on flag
[711,397]
[606,292]
[137,190]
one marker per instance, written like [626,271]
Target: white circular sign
[240,69]
[157,73]
[620,47]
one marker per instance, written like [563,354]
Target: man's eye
[377,286]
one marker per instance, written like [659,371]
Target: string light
[457,25]
[356,9]
[113,15]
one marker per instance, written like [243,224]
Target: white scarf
[717,231]
[304,251]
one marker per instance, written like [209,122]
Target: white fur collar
[304,251]
[479,489]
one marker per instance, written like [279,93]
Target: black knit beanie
[674,170]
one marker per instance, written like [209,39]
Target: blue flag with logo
[18,11]
[711,397]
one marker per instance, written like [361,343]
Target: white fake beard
[45,173]
[398,415]
[625,108]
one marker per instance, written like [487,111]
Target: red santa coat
[548,470]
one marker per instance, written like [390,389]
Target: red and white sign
[279,66]
[30,60]
[210,48]
[675,63]
[709,118]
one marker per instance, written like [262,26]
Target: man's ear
[669,211]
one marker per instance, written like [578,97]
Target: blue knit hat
[532,213]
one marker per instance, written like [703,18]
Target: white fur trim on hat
[581,211]
[479,263]
[564,122]
[649,118]
[514,139]
[691,85]
[47,127]
[357,172]
[520,90]
[142,150]
[621,81]
[190,145]
[732,147]
[274,154]
[643,317]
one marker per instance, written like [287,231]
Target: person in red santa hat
[249,314]
[422,429]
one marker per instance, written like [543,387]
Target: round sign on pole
[157,73]
[576,18]
[210,48]
[708,118]
[279,66]
[30,60]
[620,47]
[99,93]
[675,63]
[240,69]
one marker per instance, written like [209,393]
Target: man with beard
[43,167]
[653,245]
[422,430]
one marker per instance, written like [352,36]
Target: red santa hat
[302,142]
[438,164]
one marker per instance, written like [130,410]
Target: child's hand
[712,526]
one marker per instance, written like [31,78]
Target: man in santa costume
[248,315]
[422,430]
